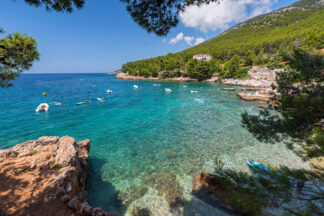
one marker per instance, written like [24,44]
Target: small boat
[156,84]
[168,90]
[192,91]
[200,100]
[228,89]
[44,94]
[136,87]
[57,103]
[109,91]
[43,107]
[258,166]
[184,86]
[83,102]
[101,99]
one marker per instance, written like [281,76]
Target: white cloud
[216,16]
[176,39]
[199,40]
[189,40]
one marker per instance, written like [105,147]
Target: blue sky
[102,36]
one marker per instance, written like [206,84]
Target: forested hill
[258,41]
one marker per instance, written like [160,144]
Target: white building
[205,57]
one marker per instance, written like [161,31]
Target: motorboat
[43,107]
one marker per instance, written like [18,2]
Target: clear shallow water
[145,144]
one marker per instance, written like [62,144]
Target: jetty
[254,97]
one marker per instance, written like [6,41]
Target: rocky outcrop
[47,176]
[125,76]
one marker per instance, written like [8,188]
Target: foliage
[200,70]
[57,5]
[17,53]
[300,102]
[273,189]
[258,41]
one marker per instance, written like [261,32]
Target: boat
[57,103]
[109,91]
[136,87]
[101,99]
[83,102]
[228,89]
[168,90]
[200,100]
[258,166]
[43,107]
[156,84]
[192,91]
[184,86]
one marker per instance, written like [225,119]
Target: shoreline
[254,83]
[47,176]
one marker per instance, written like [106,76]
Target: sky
[102,36]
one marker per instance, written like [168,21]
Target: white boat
[184,86]
[109,91]
[101,99]
[156,84]
[192,91]
[136,87]
[43,107]
[168,90]
[199,100]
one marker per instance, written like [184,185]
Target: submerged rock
[167,186]
[137,211]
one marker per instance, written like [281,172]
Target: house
[205,57]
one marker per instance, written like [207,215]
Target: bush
[241,73]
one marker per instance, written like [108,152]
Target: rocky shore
[125,76]
[47,176]
[258,77]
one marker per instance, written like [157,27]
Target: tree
[57,5]
[300,100]
[17,53]
[233,65]
[159,16]
[199,69]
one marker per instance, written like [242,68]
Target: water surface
[145,144]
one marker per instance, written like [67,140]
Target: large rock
[47,176]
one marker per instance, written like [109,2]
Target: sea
[146,144]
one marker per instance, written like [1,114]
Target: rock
[46,170]
[65,198]
[68,187]
[60,191]
[137,211]
[85,209]
[66,151]
[73,203]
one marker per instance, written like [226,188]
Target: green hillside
[258,41]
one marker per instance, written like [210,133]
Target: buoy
[44,94]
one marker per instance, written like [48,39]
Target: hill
[258,41]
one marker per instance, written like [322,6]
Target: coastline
[255,83]
[47,176]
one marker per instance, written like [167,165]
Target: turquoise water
[140,139]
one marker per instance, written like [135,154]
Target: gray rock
[73,203]
[65,198]
[60,191]
[68,187]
